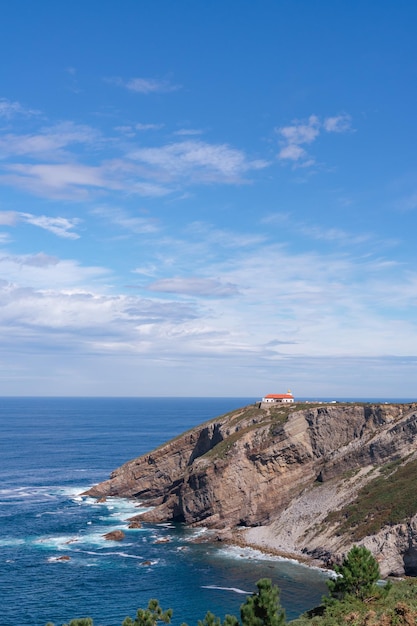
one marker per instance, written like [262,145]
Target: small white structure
[279,397]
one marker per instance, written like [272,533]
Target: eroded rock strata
[270,477]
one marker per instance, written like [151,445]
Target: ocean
[53,449]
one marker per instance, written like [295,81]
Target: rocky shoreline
[235,538]
[271,479]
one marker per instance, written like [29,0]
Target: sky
[208,198]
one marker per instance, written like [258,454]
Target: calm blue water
[52,449]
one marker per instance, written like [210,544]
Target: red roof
[278,396]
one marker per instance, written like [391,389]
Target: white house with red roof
[278,397]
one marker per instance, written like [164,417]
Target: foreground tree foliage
[263,607]
[260,609]
[392,605]
[397,607]
[212,620]
[357,576]
[150,616]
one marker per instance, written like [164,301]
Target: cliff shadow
[207,439]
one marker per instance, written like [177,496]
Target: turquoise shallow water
[51,450]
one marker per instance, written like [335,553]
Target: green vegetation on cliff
[390,498]
[251,418]
[397,607]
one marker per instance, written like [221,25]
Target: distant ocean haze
[53,449]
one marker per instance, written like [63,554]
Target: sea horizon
[232,397]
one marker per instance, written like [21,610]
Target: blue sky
[208,198]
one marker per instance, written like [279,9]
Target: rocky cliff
[307,480]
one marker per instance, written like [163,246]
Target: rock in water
[115,535]
[135,524]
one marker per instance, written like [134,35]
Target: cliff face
[278,472]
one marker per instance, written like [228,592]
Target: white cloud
[40,260]
[302,133]
[222,238]
[72,81]
[80,182]
[292,152]
[325,303]
[408,203]
[60,226]
[140,126]
[130,130]
[188,131]
[195,286]
[338,124]
[311,305]
[334,234]
[333,304]
[9,218]
[287,309]
[331,234]
[68,319]
[59,181]
[279,217]
[144,171]
[198,161]
[134,224]
[145,86]
[147,270]
[40,272]
[150,190]
[9,109]
[126,130]
[150,85]
[48,141]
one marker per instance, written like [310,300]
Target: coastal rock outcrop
[277,476]
[114,535]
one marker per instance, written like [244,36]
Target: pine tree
[263,607]
[356,576]
[150,616]
[212,620]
